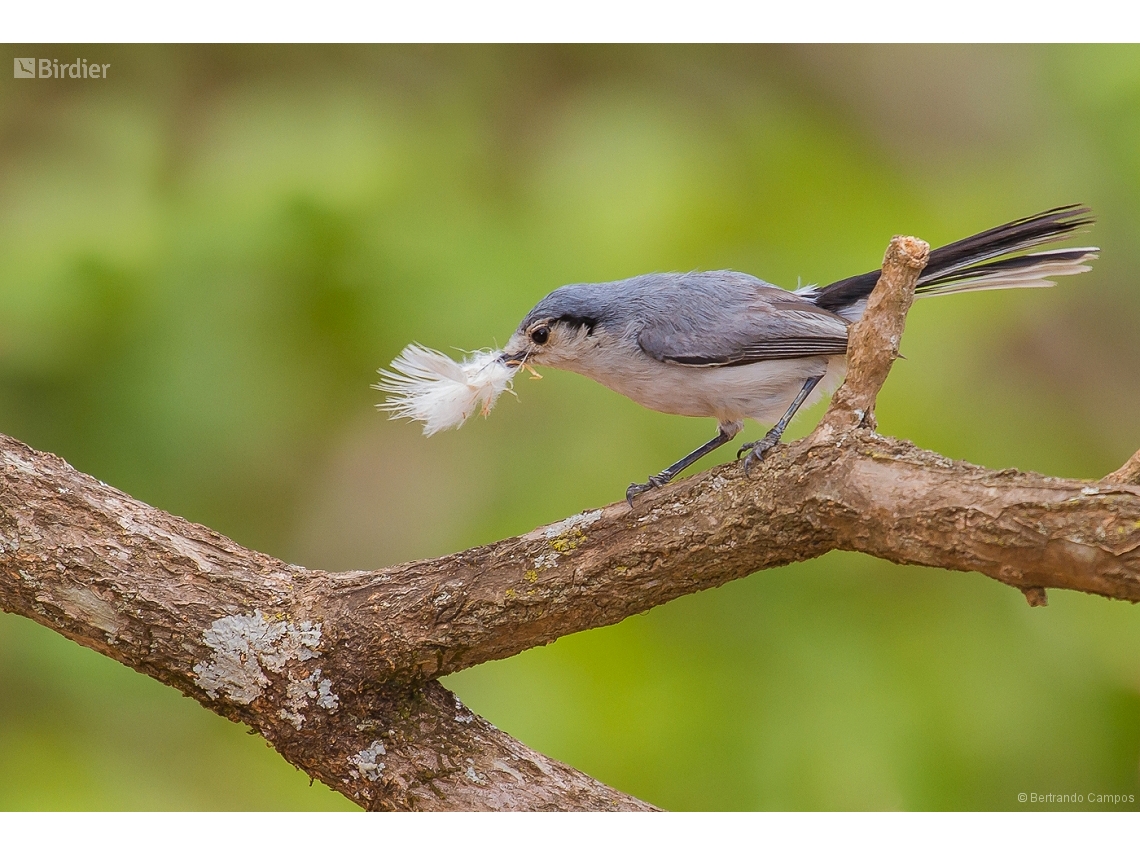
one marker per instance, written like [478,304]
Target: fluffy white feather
[430,387]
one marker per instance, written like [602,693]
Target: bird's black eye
[540,335]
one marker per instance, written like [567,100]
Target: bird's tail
[992,259]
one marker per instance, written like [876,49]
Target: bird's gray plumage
[712,319]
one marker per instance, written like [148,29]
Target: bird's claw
[638,489]
[758,450]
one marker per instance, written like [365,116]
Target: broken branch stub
[1129,473]
[873,341]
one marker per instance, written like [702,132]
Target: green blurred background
[205,258]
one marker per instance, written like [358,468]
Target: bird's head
[558,332]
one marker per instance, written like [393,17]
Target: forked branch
[338,671]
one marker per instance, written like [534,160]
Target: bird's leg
[725,433]
[757,450]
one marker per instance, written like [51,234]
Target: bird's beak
[514,359]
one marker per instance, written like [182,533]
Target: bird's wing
[771,324]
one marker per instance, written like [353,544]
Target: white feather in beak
[427,386]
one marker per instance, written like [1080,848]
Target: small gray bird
[729,346]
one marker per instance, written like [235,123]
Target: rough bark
[873,343]
[1129,473]
[338,671]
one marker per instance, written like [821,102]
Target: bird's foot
[637,489]
[758,450]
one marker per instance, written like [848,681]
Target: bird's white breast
[762,391]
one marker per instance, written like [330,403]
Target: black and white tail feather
[969,264]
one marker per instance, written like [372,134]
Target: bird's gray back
[703,319]
[695,299]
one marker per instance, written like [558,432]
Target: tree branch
[259,641]
[338,671]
